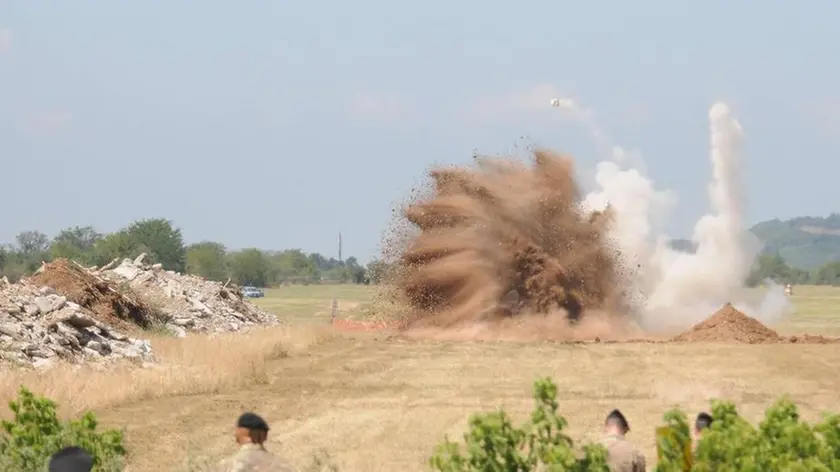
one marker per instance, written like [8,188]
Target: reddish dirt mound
[504,239]
[729,324]
[100,296]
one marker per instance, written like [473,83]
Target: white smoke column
[679,289]
[692,285]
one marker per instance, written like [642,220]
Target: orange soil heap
[729,324]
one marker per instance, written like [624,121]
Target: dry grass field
[376,403]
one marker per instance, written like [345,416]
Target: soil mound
[505,239]
[101,297]
[729,325]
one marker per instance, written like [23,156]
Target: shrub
[35,434]
[780,442]
[494,444]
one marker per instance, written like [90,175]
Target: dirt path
[384,404]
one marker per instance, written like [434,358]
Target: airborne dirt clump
[727,325]
[505,239]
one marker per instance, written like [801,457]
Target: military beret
[251,421]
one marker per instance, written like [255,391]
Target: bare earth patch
[380,404]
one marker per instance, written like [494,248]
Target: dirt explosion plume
[503,240]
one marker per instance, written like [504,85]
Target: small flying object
[555,102]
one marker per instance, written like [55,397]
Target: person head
[616,423]
[71,459]
[251,428]
[703,421]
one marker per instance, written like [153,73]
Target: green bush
[35,434]
[781,442]
[493,444]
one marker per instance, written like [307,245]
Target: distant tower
[339,247]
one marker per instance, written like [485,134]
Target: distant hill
[806,242]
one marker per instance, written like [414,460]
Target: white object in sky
[562,102]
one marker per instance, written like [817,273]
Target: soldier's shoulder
[223,465]
[268,462]
[272,463]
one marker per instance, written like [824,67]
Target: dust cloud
[503,249]
[503,242]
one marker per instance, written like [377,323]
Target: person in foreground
[622,455]
[71,459]
[703,421]
[250,433]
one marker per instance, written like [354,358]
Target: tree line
[774,267]
[163,243]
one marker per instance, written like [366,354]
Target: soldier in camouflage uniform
[251,433]
[622,455]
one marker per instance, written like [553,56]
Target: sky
[278,124]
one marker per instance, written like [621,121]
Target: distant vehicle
[252,292]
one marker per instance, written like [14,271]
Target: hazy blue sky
[277,124]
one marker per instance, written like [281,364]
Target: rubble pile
[38,326]
[187,302]
[69,312]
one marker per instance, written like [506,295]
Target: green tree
[774,267]
[781,442]
[208,259]
[164,242]
[293,265]
[35,433]
[32,242]
[356,272]
[493,443]
[116,245]
[32,249]
[828,274]
[12,265]
[250,267]
[4,257]
[76,243]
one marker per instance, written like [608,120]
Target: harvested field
[401,396]
[347,391]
